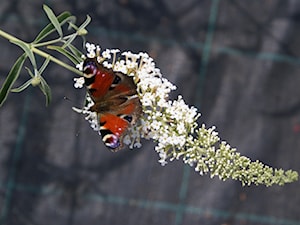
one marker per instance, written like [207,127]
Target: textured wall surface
[237,61]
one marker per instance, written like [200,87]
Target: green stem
[55,60]
[8,36]
[52,41]
[41,53]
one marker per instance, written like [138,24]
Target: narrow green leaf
[85,23]
[62,18]
[29,72]
[75,52]
[64,52]
[22,87]
[11,78]
[81,29]
[53,19]
[27,51]
[45,64]
[70,40]
[46,90]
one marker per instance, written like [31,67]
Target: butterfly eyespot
[89,73]
[128,118]
[90,69]
[117,79]
[111,141]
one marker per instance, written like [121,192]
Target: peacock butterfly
[116,101]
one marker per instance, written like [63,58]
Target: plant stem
[40,44]
[55,60]
[41,53]
[8,36]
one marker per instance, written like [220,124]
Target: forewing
[97,78]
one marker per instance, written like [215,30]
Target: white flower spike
[173,125]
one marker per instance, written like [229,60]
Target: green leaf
[29,72]
[11,78]
[45,64]
[75,52]
[85,23]
[81,29]
[38,80]
[64,52]
[53,19]
[46,90]
[22,87]
[70,40]
[27,50]
[62,18]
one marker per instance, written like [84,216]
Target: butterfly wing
[121,111]
[97,79]
[116,102]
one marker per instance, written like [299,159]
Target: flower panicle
[172,124]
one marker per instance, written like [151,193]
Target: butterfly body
[115,101]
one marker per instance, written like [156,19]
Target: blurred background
[236,61]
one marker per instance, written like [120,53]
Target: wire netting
[237,61]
